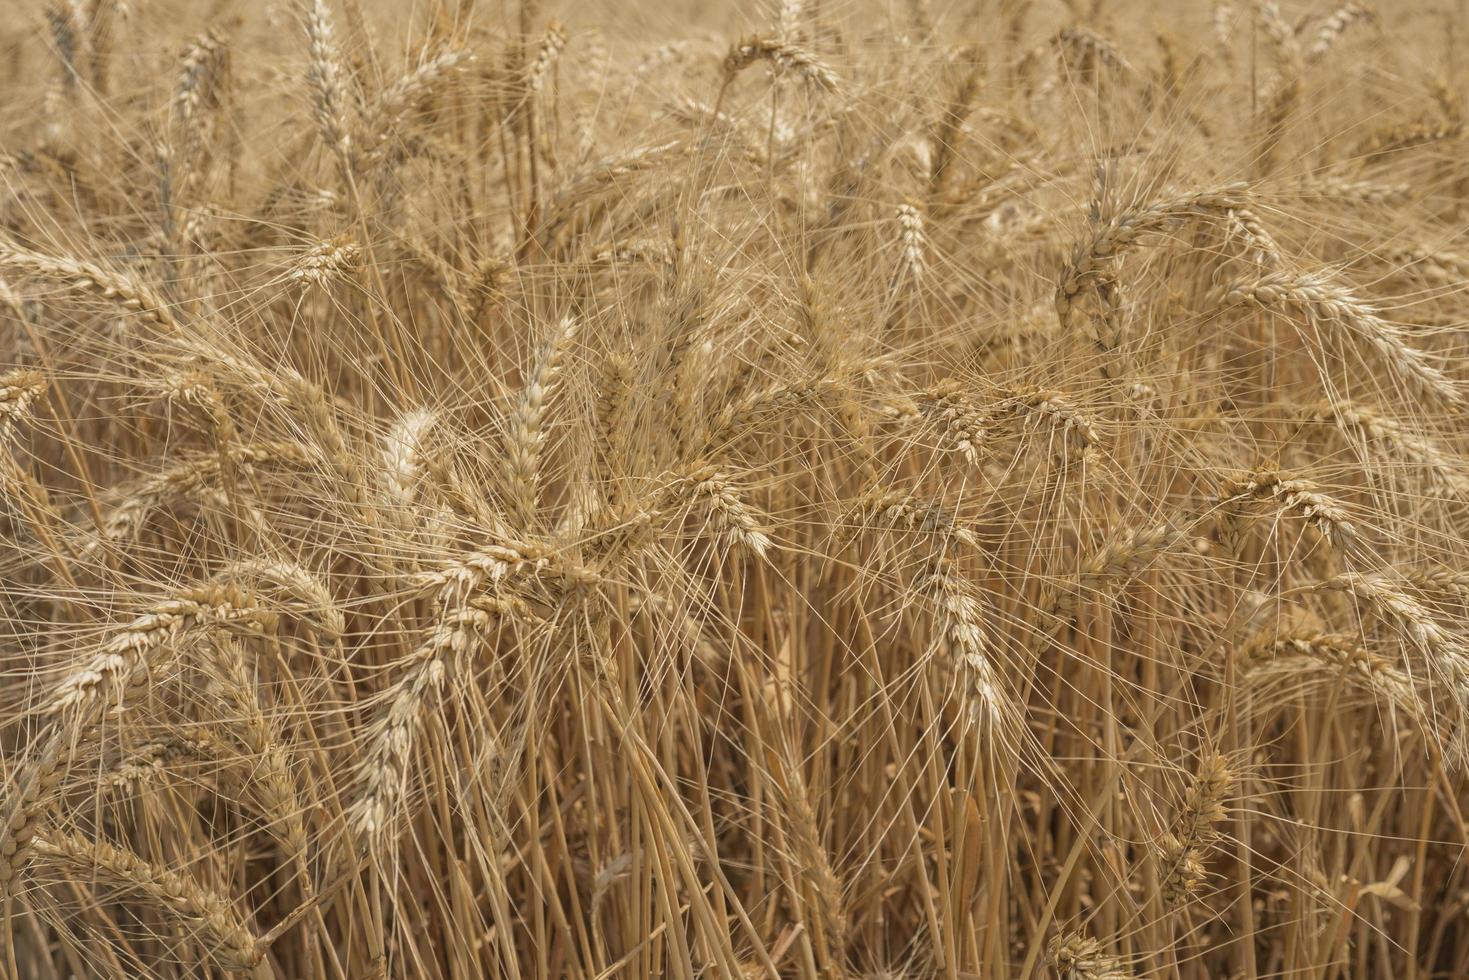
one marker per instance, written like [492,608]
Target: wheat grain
[1286,658]
[403,452]
[546,56]
[914,242]
[1092,258]
[899,510]
[1372,428]
[960,420]
[1326,187]
[1385,595]
[1056,411]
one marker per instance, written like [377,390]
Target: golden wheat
[815,491]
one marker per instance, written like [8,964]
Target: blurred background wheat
[943,489]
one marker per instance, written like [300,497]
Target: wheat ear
[524,436]
[1324,303]
[209,917]
[1184,847]
[89,278]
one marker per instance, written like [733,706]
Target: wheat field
[830,489]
